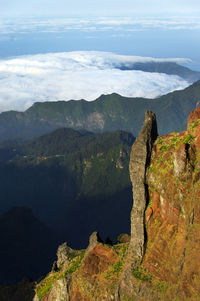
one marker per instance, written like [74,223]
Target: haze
[98,7]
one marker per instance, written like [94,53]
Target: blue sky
[37,36]
[13,8]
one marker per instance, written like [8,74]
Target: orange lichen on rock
[152,209]
[173,216]
[98,261]
[99,273]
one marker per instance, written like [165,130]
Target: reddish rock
[156,199]
[123,238]
[97,260]
[180,160]
[148,214]
[77,296]
[194,115]
[45,297]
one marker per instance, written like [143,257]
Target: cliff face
[173,215]
[161,261]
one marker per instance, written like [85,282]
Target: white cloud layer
[127,24]
[75,75]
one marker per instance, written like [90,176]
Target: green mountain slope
[107,113]
[71,180]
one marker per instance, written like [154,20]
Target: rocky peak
[139,161]
[63,254]
[93,240]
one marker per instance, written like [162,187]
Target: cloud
[126,24]
[75,75]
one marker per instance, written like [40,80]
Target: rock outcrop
[59,291]
[93,240]
[63,254]
[139,161]
[173,215]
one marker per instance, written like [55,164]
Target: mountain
[27,246]
[70,179]
[165,67]
[161,260]
[107,113]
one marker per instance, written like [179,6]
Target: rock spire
[139,161]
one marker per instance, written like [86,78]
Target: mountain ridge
[106,113]
[171,68]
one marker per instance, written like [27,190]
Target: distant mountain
[71,180]
[170,68]
[27,246]
[107,113]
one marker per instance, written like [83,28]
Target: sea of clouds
[76,75]
[128,24]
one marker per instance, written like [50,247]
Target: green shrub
[141,274]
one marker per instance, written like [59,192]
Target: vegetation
[67,141]
[141,273]
[107,113]
[195,124]
[115,269]
[75,264]
[46,284]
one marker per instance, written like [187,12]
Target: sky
[14,8]
[61,50]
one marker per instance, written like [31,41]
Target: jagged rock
[62,254]
[139,161]
[54,267]
[123,238]
[59,291]
[36,298]
[93,240]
